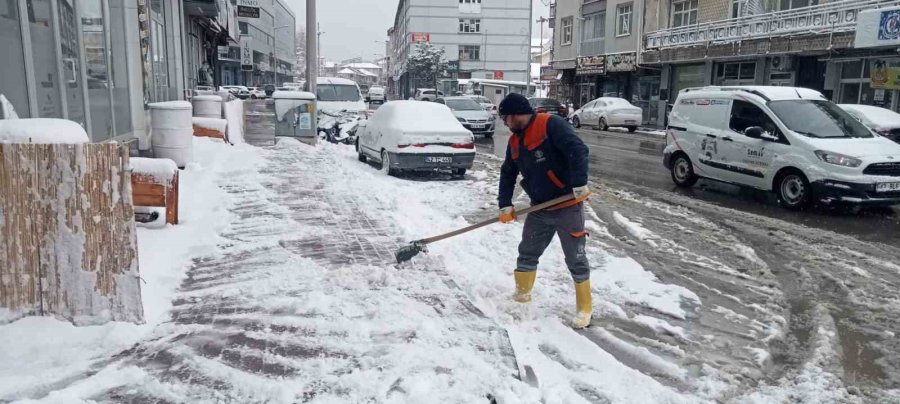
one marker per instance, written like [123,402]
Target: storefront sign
[885,74]
[453,66]
[590,65]
[420,37]
[246,53]
[248,8]
[878,27]
[548,73]
[621,62]
[498,74]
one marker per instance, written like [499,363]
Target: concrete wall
[564,9]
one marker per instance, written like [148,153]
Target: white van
[791,141]
[336,95]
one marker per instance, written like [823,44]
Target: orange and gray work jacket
[551,158]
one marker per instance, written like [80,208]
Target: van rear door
[698,124]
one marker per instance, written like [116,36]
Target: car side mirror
[754,132]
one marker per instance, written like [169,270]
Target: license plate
[887,187]
[438,159]
[477,126]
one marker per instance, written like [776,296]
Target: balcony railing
[829,17]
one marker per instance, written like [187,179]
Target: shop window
[684,13]
[12,64]
[732,74]
[119,68]
[93,34]
[43,52]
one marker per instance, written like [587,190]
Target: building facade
[595,54]
[273,42]
[486,39]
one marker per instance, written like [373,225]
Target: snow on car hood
[856,147]
[472,114]
[338,106]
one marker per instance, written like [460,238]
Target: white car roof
[335,81]
[877,115]
[419,116]
[770,93]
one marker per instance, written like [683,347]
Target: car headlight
[838,159]
[463,120]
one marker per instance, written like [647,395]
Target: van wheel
[793,190]
[603,124]
[576,122]
[386,164]
[459,172]
[683,172]
[361,156]
[632,129]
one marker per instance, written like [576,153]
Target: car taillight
[403,146]
[883,132]
[463,145]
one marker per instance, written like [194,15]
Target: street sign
[246,53]
[590,65]
[248,8]
[453,66]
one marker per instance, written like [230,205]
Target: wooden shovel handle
[535,208]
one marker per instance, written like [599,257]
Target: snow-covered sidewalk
[289,292]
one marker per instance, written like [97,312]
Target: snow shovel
[407,253]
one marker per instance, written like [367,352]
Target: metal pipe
[312,57]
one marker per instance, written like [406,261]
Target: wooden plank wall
[69,246]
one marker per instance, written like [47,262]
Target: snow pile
[214,124]
[6,109]
[234,115]
[48,351]
[42,131]
[161,170]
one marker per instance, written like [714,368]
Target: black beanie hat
[515,104]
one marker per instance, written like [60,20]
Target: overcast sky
[370,20]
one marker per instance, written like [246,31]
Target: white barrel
[172,131]
[207,106]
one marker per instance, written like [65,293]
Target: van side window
[745,115]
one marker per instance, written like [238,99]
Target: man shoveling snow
[553,162]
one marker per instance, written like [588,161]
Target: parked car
[486,103]
[376,95]
[364,90]
[883,121]
[416,135]
[470,114]
[791,141]
[427,94]
[237,91]
[550,106]
[340,108]
[605,112]
[256,93]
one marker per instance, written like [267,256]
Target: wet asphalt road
[813,289]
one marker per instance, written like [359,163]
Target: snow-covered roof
[347,71]
[365,65]
[335,80]
[42,131]
[367,73]
[329,65]
[773,93]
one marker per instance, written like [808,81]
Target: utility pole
[318,39]
[528,53]
[541,21]
[312,41]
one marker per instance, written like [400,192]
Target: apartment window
[739,8]
[567,31]
[470,6]
[469,26]
[469,1]
[623,20]
[242,27]
[792,4]
[684,13]
[469,52]
[594,26]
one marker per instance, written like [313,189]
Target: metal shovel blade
[407,253]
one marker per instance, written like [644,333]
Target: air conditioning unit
[782,63]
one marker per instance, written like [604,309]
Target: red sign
[498,74]
[420,36]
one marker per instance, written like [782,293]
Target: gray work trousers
[540,227]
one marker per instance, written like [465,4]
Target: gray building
[489,38]
[272,39]
[595,49]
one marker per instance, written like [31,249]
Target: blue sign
[889,27]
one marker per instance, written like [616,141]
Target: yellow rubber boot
[524,283]
[584,306]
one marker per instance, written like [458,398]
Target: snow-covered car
[427,94]
[549,106]
[882,120]
[416,135]
[788,140]
[486,103]
[376,95]
[237,91]
[256,93]
[606,112]
[470,114]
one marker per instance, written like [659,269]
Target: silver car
[471,114]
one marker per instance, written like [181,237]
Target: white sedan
[883,121]
[415,136]
[606,112]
